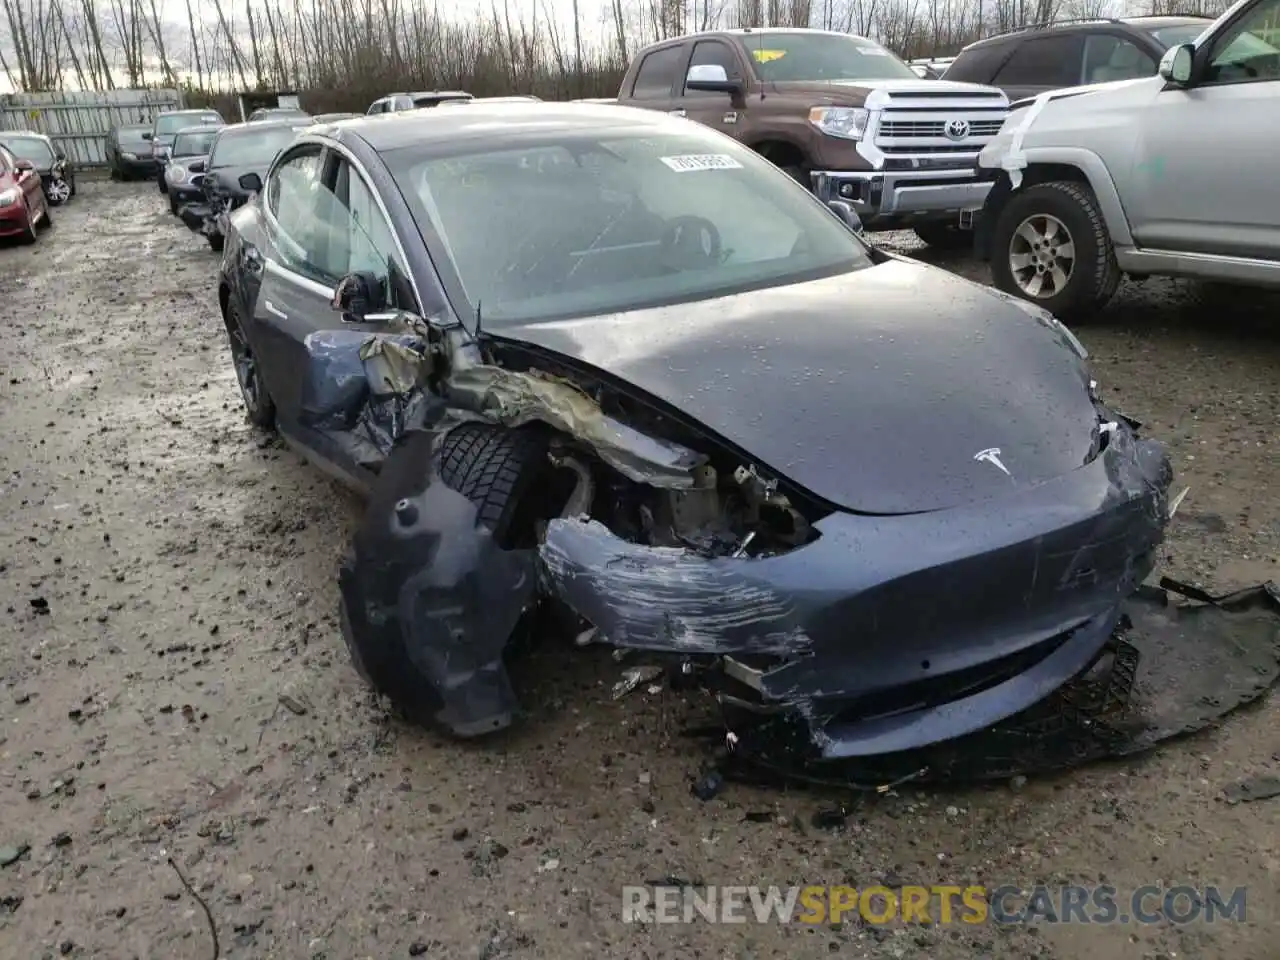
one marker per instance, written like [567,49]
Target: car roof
[237,128]
[193,110]
[492,120]
[1090,23]
[29,134]
[201,128]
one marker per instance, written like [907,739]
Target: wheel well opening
[782,154]
[1049,172]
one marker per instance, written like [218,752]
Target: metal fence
[78,120]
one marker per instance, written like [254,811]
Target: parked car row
[35,175]
[223,171]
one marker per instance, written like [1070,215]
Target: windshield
[133,133]
[250,148]
[819,57]
[167,124]
[656,218]
[29,148]
[193,144]
[1183,33]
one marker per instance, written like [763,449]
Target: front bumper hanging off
[884,634]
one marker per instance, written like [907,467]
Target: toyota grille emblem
[956,129]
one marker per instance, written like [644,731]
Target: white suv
[1166,175]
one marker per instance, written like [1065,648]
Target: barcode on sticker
[701,161]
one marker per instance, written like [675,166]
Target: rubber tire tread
[1075,204]
[265,417]
[493,467]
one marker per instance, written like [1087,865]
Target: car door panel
[716,110]
[1213,193]
[1202,179]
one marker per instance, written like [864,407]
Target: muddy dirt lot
[173,684]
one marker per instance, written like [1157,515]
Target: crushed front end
[885,634]
[868,634]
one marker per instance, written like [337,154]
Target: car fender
[1099,179]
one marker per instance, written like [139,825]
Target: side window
[1052,61]
[306,211]
[978,65]
[657,73]
[1108,57]
[714,52]
[1247,50]
[6,162]
[367,239]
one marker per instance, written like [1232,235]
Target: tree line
[342,54]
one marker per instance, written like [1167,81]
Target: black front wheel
[1050,245]
[258,404]
[216,241]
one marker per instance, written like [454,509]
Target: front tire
[173,205]
[216,242]
[29,234]
[944,236]
[163,187]
[258,405]
[1050,246]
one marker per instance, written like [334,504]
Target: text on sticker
[701,161]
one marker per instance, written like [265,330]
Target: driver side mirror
[358,296]
[1177,63]
[250,182]
[712,78]
[844,210]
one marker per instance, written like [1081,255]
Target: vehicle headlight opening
[849,123]
[8,197]
[176,173]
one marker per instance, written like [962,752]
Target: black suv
[1070,53]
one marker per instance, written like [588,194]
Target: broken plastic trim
[515,398]
[430,600]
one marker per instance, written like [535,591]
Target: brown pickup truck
[840,113]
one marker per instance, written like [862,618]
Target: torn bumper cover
[891,633]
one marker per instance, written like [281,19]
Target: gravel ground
[175,687]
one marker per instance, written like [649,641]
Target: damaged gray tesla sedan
[611,361]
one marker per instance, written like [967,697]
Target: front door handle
[677,113]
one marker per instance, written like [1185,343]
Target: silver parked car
[1166,175]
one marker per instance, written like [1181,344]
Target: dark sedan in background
[129,151]
[57,173]
[611,362]
[239,159]
[185,168]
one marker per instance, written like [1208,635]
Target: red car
[22,201]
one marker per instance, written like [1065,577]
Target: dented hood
[875,390]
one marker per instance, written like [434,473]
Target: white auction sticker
[701,161]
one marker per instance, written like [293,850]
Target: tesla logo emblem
[956,129]
[991,455]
